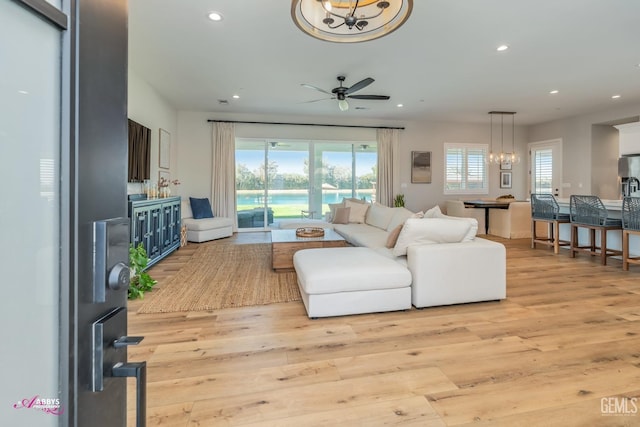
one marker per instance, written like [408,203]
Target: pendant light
[500,157]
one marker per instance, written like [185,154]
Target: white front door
[545,167]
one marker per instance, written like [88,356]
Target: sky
[293,161]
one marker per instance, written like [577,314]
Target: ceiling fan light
[343,105]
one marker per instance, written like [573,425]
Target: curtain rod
[303,124]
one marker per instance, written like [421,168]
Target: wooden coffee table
[284,243]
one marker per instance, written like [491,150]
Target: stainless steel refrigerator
[629,173]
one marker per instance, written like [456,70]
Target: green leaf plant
[140,281]
[398,201]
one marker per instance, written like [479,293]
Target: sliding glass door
[287,179]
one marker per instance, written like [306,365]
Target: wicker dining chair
[630,225]
[589,212]
[545,209]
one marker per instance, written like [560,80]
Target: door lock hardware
[119,276]
[110,257]
[137,370]
[126,341]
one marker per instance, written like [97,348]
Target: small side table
[307,214]
[183,235]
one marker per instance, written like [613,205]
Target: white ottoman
[352,280]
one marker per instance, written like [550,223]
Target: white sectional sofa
[447,262]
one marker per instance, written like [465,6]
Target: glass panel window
[465,169]
[543,171]
[300,179]
[30,117]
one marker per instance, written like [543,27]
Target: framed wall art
[505,179]
[165,149]
[421,167]
[505,165]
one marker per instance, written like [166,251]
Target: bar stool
[545,208]
[589,212]
[630,225]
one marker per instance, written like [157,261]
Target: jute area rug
[223,276]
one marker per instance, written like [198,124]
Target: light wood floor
[567,336]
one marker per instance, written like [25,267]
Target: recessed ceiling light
[23,92]
[553,92]
[400,105]
[502,48]
[616,96]
[215,16]
[236,96]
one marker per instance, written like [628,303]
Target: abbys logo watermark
[619,406]
[46,405]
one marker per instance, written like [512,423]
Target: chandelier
[502,156]
[349,21]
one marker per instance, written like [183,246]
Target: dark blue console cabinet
[156,224]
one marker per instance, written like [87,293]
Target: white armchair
[457,208]
[511,223]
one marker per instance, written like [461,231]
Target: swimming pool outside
[290,203]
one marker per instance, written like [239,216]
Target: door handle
[137,370]
[126,341]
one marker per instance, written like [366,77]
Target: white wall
[604,161]
[148,108]
[195,163]
[431,136]
[577,136]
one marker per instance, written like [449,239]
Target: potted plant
[398,201]
[140,281]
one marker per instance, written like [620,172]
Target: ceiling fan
[341,93]
[275,144]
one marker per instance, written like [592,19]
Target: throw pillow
[400,215]
[429,231]
[341,216]
[434,212]
[418,215]
[201,208]
[393,237]
[358,211]
[473,229]
[379,215]
[353,199]
[332,209]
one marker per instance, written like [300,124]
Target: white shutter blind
[543,161]
[465,169]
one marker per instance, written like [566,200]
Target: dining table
[486,205]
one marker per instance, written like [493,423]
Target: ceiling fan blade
[316,88]
[316,100]
[361,84]
[379,97]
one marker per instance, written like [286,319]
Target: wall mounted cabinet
[156,224]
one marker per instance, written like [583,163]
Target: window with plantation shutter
[543,171]
[465,169]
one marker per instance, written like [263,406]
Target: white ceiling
[442,64]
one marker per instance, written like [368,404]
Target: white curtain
[223,171]
[387,149]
